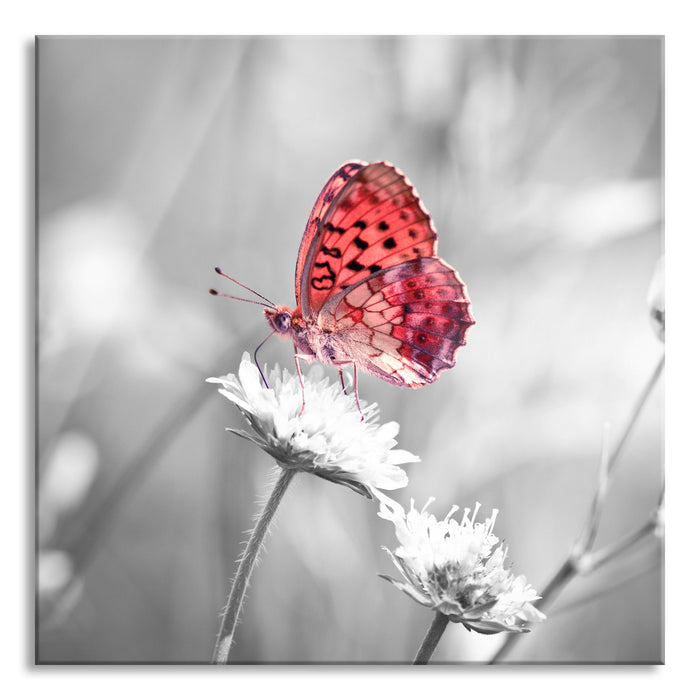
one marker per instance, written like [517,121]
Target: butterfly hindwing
[403,324]
[371,221]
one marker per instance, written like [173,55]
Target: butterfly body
[311,340]
[371,290]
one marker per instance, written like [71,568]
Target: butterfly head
[280,319]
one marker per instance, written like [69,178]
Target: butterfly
[371,291]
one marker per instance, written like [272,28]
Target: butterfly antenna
[213,292]
[257,364]
[219,271]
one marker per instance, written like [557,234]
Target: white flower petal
[409,591]
[329,438]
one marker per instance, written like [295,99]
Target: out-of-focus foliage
[159,158]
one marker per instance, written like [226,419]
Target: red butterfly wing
[324,200]
[368,218]
[403,324]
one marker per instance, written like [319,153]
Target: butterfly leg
[301,379]
[354,386]
[342,381]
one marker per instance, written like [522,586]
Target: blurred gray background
[540,160]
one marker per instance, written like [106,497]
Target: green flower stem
[234,605]
[431,639]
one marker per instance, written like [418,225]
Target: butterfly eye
[283,322]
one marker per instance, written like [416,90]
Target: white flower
[452,567]
[329,439]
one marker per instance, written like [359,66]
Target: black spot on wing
[323,281]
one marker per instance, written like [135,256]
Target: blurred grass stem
[619,580]
[582,560]
[606,554]
[83,537]
[639,405]
[431,639]
[83,540]
[234,604]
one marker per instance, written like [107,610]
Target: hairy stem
[234,604]
[431,638]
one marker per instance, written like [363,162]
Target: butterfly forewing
[323,202]
[373,221]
